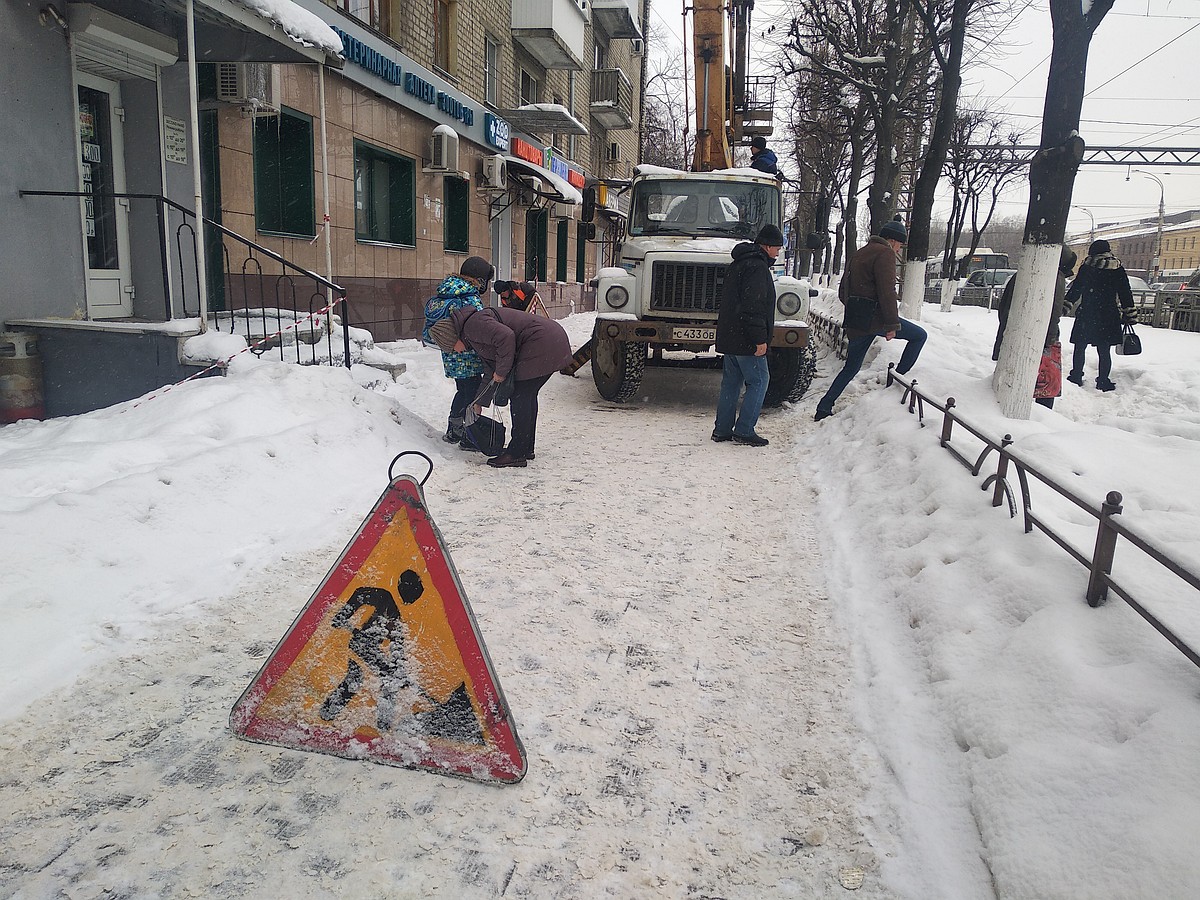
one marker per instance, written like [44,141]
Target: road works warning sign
[386,662]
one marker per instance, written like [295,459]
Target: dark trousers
[468,390]
[910,332]
[524,407]
[1080,354]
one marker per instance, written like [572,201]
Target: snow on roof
[299,24]
[721,173]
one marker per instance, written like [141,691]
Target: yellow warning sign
[386,662]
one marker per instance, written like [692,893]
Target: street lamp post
[1157,263]
[1092,219]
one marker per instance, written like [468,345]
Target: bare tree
[667,139]
[1051,182]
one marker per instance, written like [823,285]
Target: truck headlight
[616,296]
[789,303]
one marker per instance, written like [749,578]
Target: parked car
[989,278]
[1138,284]
[983,287]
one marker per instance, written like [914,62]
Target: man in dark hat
[744,327]
[761,158]
[868,291]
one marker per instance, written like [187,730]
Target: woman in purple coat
[531,348]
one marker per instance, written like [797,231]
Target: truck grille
[687,287]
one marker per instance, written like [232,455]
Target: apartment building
[1135,243]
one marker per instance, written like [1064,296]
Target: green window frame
[536,244]
[581,242]
[456,214]
[562,251]
[385,198]
[283,174]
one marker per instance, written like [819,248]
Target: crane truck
[665,290]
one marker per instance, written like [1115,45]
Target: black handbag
[860,313]
[1131,344]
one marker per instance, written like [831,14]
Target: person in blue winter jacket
[763,159]
[454,293]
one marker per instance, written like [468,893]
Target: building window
[384,197]
[368,11]
[283,174]
[456,230]
[491,72]
[445,16]
[581,244]
[601,57]
[529,89]
[536,243]
[562,251]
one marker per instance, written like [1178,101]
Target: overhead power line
[1143,59]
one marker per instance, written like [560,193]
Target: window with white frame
[491,72]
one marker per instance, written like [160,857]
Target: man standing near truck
[744,325]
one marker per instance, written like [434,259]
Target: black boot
[454,429]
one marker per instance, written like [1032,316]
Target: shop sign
[496,131]
[575,178]
[526,151]
[455,109]
[369,58]
[419,88]
[556,165]
[175,140]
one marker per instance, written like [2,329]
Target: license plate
[708,335]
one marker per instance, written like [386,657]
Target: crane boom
[712,108]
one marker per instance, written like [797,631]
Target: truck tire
[792,372]
[617,368]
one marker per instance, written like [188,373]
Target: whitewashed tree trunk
[912,296]
[1025,336]
[949,289]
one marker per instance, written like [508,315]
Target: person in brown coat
[510,342]
[868,291]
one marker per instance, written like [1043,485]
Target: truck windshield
[698,207]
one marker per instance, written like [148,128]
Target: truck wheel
[617,368]
[792,372]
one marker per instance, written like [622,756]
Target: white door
[105,218]
[501,227]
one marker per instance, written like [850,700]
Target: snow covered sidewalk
[653,604]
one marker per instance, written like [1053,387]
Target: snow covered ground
[736,672]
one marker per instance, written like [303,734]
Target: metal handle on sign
[392,477]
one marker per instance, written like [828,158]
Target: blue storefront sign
[369,58]
[496,131]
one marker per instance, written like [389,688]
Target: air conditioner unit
[637,46]
[495,172]
[252,86]
[562,210]
[612,153]
[443,150]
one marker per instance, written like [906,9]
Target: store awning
[543,118]
[268,31]
[553,187]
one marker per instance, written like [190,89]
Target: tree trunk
[1051,181]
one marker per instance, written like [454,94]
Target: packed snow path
[685,712]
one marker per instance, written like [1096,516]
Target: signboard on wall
[175,140]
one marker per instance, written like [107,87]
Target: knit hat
[894,231]
[477,267]
[769,236]
[759,143]
[1098,247]
[1067,260]
[444,335]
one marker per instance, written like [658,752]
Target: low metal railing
[1109,528]
[272,302]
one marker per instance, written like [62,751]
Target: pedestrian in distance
[761,158]
[513,343]
[868,291]
[1066,267]
[461,291]
[1105,306]
[744,326]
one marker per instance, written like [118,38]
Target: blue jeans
[910,332]
[752,372]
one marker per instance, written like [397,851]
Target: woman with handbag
[1049,377]
[1105,304]
[512,343]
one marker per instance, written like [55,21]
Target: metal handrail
[1100,563]
[337,294]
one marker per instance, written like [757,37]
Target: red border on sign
[505,763]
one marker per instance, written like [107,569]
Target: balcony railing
[612,99]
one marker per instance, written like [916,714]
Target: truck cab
[666,291]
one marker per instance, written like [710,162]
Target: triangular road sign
[386,662]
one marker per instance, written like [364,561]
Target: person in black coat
[1105,303]
[744,326]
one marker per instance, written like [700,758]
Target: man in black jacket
[744,327]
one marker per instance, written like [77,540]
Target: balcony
[612,99]
[618,18]
[551,31]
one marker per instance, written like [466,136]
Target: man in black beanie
[744,326]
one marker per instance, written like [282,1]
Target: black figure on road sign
[379,643]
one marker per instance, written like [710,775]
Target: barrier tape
[228,360]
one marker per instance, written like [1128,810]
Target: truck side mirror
[589,206]
[589,231]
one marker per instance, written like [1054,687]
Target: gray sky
[1142,90]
